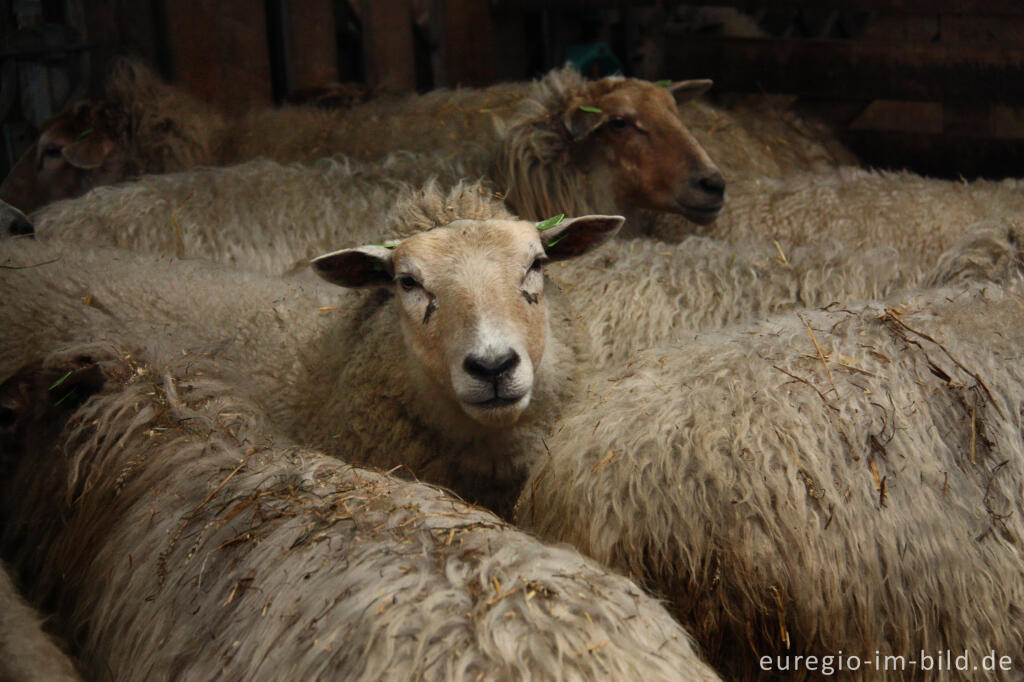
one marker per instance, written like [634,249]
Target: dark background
[932,85]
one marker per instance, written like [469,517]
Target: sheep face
[72,155]
[471,305]
[633,130]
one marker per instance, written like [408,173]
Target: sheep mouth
[702,215]
[499,411]
[497,402]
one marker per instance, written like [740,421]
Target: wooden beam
[388,45]
[219,50]
[312,50]
[975,7]
[850,70]
[465,31]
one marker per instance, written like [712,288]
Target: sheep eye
[407,282]
[618,123]
[537,265]
[51,152]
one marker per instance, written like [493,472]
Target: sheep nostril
[492,367]
[21,228]
[713,185]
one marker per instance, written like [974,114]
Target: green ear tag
[590,109]
[663,84]
[550,222]
[86,134]
[60,381]
[555,241]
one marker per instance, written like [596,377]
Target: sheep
[642,293]
[842,479]
[27,654]
[141,125]
[919,217]
[14,223]
[760,137]
[614,143]
[260,215]
[184,538]
[455,122]
[460,351]
[635,152]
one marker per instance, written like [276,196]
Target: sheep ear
[684,91]
[582,120]
[88,152]
[575,236]
[364,266]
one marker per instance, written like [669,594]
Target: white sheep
[459,351]
[918,217]
[184,538]
[260,215]
[838,479]
[760,137]
[642,293]
[27,653]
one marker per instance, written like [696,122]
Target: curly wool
[842,479]
[642,293]
[301,346]
[182,537]
[261,215]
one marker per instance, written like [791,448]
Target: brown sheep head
[471,306]
[76,151]
[632,130]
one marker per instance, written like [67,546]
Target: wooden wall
[934,85]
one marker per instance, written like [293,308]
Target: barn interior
[773,417]
[935,87]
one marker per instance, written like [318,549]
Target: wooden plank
[850,70]
[219,51]
[977,7]
[1005,7]
[388,45]
[312,50]
[119,27]
[466,41]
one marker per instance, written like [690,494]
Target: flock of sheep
[341,394]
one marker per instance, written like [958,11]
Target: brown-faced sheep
[632,153]
[14,223]
[27,654]
[140,126]
[182,538]
[460,351]
[846,479]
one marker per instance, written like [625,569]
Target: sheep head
[75,152]
[471,304]
[633,130]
